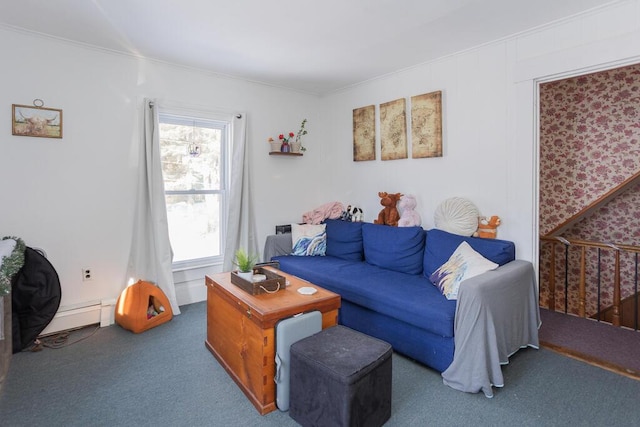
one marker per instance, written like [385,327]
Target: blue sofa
[382,275]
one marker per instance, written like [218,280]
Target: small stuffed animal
[389,215]
[355,214]
[352,214]
[408,216]
[487,228]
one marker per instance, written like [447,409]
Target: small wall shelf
[280,153]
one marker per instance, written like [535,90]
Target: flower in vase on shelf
[290,142]
[285,141]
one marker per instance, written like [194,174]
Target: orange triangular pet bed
[142,306]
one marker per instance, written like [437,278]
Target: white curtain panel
[2,321]
[151,255]
[241,228]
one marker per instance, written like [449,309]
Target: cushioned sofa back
[441,244]
[344,239]
[394,248]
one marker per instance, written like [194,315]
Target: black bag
[35,298]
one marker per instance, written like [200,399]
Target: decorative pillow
[457,215]
[464,264]
[440,245]
[308,239]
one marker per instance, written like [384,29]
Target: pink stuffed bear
[408,216]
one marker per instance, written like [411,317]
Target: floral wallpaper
[589,144]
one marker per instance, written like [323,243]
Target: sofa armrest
[513,280]
[497,313]
[277,244]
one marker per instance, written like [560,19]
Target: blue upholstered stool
[340,377]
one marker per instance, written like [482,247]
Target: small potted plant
[275,145]
[245,264]
[300,134]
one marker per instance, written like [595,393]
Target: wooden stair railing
[614,311]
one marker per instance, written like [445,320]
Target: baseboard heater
[73,318]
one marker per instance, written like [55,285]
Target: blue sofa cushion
[394,248]
[410,298]
[344,239]
[440,246]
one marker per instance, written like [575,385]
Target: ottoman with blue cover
[340,377]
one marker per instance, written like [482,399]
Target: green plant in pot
[245,263]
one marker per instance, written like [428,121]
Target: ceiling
[316,47]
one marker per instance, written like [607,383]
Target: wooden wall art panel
[364,133]
[393,129]
[426,125]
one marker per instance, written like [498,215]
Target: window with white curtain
[194,165]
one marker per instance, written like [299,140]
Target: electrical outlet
[87,274]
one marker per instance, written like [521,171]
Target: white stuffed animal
[355,214]
[408,216]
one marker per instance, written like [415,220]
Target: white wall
[489,120]
[74,196]
[474,148]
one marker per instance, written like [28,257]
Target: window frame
[212,121]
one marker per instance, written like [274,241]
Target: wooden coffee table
[241,329]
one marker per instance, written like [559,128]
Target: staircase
[585,278]
[590,149]
[591,278]
[629,313]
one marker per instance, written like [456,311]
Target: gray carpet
[166,376]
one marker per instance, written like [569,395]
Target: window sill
[195,265]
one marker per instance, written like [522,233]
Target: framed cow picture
[36,120]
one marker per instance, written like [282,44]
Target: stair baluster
[619,312]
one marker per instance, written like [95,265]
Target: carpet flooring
[613,348]
[165,376]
